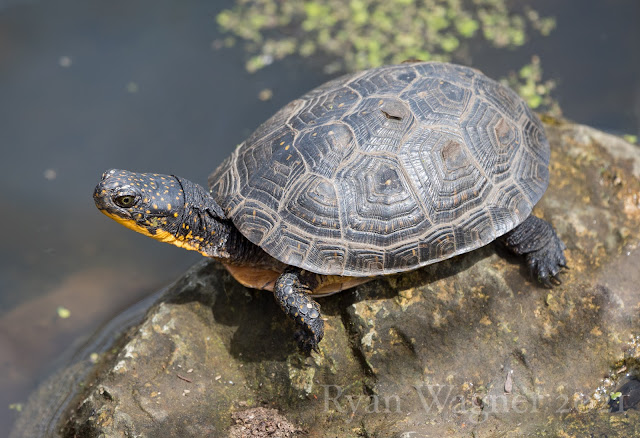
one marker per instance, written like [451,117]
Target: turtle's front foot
[544,251]
[308,338]
[291,295]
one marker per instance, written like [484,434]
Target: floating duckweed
[132,87]
[466,26]
[528,83]
[16,407]
[265,94]
[358,34]
[63,312]
[449,44]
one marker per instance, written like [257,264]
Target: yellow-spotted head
[165,207]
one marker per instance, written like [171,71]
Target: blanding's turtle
[373,173]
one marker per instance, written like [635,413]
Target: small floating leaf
[63,312]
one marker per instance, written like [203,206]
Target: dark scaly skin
[536,239]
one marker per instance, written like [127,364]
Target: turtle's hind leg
[536,239]
[292,294]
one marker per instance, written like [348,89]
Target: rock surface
[467,347]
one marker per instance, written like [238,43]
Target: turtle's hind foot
[543,250]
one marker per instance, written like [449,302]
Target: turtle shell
[387,170]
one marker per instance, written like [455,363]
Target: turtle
[373,173]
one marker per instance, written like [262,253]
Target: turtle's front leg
[536,239]
[292,294]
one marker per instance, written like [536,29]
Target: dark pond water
[87,85]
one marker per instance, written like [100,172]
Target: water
[594,54]
[89,85]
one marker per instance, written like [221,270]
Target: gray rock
[467,347]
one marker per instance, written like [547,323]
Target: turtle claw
[308,340]
[546,264]
[544,250]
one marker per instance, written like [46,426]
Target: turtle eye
[125,201]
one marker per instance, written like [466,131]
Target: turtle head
[165,207]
